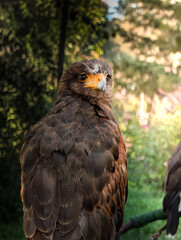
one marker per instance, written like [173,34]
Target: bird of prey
[73,161]
[172,199]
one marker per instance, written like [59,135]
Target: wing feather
[74,174]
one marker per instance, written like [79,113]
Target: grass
[12,230]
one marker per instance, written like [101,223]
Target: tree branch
[142,220]
[63,28]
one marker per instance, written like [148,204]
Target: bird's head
[89,78]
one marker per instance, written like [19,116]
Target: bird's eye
[108,77]
[82,77]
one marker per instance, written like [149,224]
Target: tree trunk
[62,39]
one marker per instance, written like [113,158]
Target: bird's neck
[106,101]
[102,107]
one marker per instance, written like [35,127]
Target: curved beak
[96,81]
[102,84]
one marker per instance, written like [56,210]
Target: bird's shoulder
[72,127]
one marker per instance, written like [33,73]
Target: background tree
[146,45]
[29,52]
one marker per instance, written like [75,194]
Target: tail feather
[171,203]
[169,199]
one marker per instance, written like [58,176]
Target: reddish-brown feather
[117,184]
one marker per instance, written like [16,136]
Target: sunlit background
[141,40]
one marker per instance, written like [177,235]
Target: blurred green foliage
[29,40]
[150,150]
[150,145]
[144,41]
[23,101]
[145,55]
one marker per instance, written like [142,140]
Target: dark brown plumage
[172,199]
[74,177]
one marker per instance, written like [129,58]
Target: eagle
[73,162]
[172,199]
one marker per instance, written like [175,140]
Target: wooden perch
[144,219]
